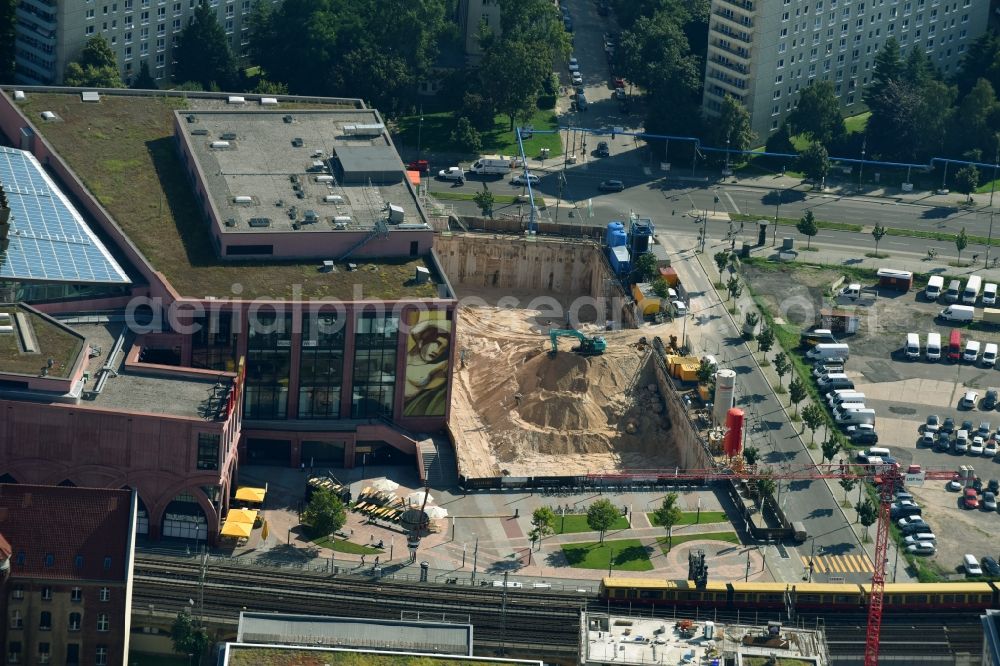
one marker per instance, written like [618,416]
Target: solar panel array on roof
[49,241]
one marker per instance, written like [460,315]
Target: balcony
[727,17]
[737,85]
[721,61]
[745,6]
[32,15]
[741,53]
[723,29]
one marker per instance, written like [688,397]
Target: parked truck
[991,316]
[494,164]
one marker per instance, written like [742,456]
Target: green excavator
[588,346]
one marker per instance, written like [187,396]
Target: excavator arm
[588,346]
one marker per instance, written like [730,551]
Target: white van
[971,565]
[989,293]
[840,397]
[961,441]
[840,410]
[852,290]
[971,292]
[825,351]
[935,285]
[989,358]
[912,345]
[857,417]
[964,313]
[953,292]
[971,353]
[880,451]
[933,346]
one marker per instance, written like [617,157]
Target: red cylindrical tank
[733,443]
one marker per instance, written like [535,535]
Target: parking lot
[904,392]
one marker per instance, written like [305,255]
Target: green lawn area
[464,196]
[344,546]
[435,134]
[578,523]
[857,123]
[629,555]
[728,537]
[989,185]
[290,656]
[691,518]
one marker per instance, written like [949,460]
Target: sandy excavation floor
[575,414]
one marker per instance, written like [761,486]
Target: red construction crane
[885,477]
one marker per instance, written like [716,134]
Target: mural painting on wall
[427,354]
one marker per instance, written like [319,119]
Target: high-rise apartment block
[51,33]
[763,52]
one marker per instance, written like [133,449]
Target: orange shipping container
[670,275]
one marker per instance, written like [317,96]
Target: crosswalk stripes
[838,563]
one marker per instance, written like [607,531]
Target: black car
[943,441]
[603,150]
[864,437]
[948,425]
[990,566]
[611,186]
[993,486]
[990,401]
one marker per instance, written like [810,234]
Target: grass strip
[727,537]
[464,196]
[620,555]
[691,518]
[344,546]
[577,522]
[791,222]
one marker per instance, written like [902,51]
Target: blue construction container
[615,234]
[640,233]
[620,260]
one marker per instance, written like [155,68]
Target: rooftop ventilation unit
[199,132]
[268,101]
[237,99]
[243,200]
[287,119]
[18,95]
[396,214]
[220,145]
[260,221]
[48,115]
[374,129]
[90,96]
[228,136]
[422,275]
[333,199]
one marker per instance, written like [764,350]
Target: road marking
[837,563]
[732,203]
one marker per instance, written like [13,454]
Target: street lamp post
[777,214]
[475,558]
[420,129]
[861,167]
[727,155]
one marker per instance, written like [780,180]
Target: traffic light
[612,135]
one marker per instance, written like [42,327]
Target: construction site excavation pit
[520,410]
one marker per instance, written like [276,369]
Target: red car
[970,500]
[419,165]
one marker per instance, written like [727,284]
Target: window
[78,562]
[374,365]
[14,652]
[105,594]
[43,653]
[45,621]
[74,622]
[101,655]
[268,366]
[76,595]
[90,13]
[103,624]
[18,592]
[321,366]
[16,620]
[208,450]
[46,594]
[89,30]
[107,563]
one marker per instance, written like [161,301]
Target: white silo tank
[725,394]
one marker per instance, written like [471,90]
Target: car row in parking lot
[961,439]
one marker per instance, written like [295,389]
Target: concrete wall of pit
[492,266]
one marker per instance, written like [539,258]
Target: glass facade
[375,341]
[213,345]
[269,353]
[321,368]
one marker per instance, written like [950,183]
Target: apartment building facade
[51,33]
[763,52]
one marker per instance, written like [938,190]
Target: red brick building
[66,590]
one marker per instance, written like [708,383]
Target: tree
[732,127]
[812,415]
[781,366]
[765,488]
[466,137]
[267,87]
[143,80]
[814,162]
[706,372]
[867,514]
[981,61]
[967,180]
[734,287]
[817,114]
[484,199]
[188,636]
[668,515]
[661,287]
[721,261]
[750,320]
[645,267]
[324,514]
[974,121]
[961,242]
[888,67]
[203,53]
[97,66]
[601,515]
[847,483]
[751,455]
[765,340]
[892,129]
[8,30]
[543,523]
[878,231]
[513,71]
[830,448]
[796,393]
[807,227]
